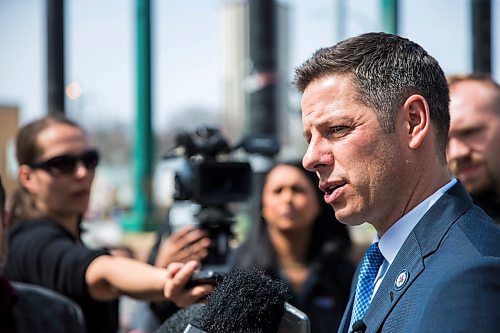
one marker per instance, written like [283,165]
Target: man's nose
[309,159]
[456,149]
[316,156]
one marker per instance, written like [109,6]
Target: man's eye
[471,132]
[338,129]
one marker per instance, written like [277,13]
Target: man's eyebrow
[321,122]
[468,128]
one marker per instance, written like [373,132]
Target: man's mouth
[468,171]
[330,186]
[332,190]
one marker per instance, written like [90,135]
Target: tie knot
[373,255]
[372,260]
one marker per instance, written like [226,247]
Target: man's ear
[26,178]
[417,118]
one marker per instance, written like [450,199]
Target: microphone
[193,329]
[190,316]
[246,301]
[293,321]
[359,327]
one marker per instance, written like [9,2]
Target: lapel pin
[401,280]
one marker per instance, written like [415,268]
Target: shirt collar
[394,237]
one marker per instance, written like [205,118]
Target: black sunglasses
[66,164]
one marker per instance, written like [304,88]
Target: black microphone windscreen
[246,301]
[179,320]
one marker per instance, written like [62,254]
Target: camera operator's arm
[189,243]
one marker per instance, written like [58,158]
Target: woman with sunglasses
[56,170]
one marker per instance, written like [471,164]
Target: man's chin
[348,219]
[477,188]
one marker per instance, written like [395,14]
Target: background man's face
[473,150]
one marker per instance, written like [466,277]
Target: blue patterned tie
[366,282]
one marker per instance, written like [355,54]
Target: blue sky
[187,44]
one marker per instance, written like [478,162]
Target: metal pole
[143,141]
[340,16]
[481,36]
[262,38]
[262,98]
[55,55]
[390,16]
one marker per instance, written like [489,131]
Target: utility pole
[262,96]
[340,15]
[143,141]
[262,115]
[390,15]
[481,36]
[55,55]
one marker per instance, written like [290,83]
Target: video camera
[213,178]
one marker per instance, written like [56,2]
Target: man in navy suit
[375,116]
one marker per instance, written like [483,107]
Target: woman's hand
[189,243]
[175,290]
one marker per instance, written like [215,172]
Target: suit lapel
[346,318]
[409,262]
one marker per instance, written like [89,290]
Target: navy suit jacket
[452,264]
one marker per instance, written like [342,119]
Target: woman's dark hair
[329,246]
[27,152]
[27,149]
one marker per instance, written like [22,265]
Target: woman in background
[298,240]
[56,171]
